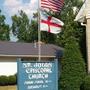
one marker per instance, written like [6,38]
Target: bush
[12,80]
[86,83]
[3,80]
[72,67]
[8,80]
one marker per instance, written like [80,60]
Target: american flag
[54,5]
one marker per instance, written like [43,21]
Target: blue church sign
[37,75]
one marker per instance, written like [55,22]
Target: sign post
[37,75]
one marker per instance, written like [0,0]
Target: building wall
[8,59]
[8,66]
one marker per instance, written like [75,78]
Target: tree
[4,28]
[71,28]
[86,83]
[72,66]
[27,31]
[21,27]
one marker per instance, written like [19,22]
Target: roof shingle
[22,49]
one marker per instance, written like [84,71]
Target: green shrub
[3,80]
[86,83]
[72,67]
[12,80]
[8,80]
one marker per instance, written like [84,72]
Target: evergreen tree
[72,66]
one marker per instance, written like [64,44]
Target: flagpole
[39,33]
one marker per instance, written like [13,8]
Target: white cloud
[12,7]
[12,2]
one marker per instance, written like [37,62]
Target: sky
[10,8]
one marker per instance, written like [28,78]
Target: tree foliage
[4,28]
[21,27]
[71,28]
[72,67]
[86,83]
[28,31]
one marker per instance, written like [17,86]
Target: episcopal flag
[50,24]
[54,5]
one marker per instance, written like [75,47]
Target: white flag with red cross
[50,24]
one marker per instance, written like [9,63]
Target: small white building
[11,51]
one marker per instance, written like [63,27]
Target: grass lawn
[8,87]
